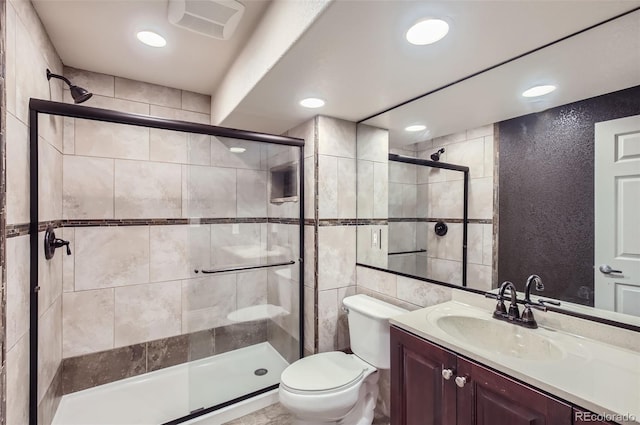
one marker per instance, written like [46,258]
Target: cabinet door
[419,393]
[489,398]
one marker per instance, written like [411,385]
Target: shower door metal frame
[40,106]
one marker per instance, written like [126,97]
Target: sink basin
[500,337]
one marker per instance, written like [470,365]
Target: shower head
[79,94]
[436,156]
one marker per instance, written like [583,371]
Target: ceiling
[354,55]
[99,36]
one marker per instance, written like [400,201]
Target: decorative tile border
[91,370]
[15,230]
[338,222]
[435,220]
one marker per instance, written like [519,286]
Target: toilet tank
[369,328]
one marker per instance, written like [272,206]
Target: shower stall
[180,250]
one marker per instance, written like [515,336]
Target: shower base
[174,392]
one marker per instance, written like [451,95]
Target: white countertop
[596,376]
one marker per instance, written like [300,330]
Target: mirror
[533,168]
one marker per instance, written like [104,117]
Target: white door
[617,215]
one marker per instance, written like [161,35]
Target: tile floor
[278,415]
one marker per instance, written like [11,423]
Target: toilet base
[361,414]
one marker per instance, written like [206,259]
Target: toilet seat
[324,372]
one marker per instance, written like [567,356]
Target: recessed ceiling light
[538,91]
[312,102]
[427,31]
[235,149]
[151,38]
[417,127]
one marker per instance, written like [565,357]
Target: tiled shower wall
[131,284]
[28,54]
[429,194]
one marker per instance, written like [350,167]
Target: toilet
[340,388]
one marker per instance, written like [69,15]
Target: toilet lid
[323,371]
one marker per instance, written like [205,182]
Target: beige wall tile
[196,102]
[486,130]
[450,138]
[384,283]
[49,346]
[147,189]
[10,57]
[309,319]
[422,293]
[479,277]
[251,193]
[475,243]
[309,254]
[446,199]
[373,143]
[252,158]
[327,320]
[206,302]
[366,252]
[147,312]
[69,136]
[380,190]
[209,192]
[481,198]
[168,146]
[88,187]
[336,137]
[309,188]
[346,188]
[98,84]
[327,186]
[147,93]
[336,256]
[17,201]
[198,149]
[487,244]
[93,138]
[111,256]
[488,156]
[87,322]
[400,172]
[17,384]
[17,304]
[306,131]
[178,114]
[252,288]
[237,244]
[50,182]
[176,251]
[445,270]
[365,197]
[470,154]
[49,278]
[283,291]
[402,236]
[447,247]
[68,261]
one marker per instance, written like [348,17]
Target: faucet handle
[543,302]
[514,312]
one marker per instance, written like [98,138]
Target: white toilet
[334,387]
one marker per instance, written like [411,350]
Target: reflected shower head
[79,94]
[436,156]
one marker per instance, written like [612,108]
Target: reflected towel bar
[288,263]
[407,252]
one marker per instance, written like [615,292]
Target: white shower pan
[173,392]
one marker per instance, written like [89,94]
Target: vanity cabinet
[421,394]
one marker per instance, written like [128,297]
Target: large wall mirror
[553,184]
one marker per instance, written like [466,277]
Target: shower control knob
[447,374]
[461,381]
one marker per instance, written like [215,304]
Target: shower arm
[51,75]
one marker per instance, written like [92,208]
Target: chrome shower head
[436,156]
[79,94]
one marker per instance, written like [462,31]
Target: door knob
[606,269]
[447,374]
[461,381]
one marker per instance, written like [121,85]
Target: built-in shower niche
[284,183]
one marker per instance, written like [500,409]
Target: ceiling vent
[213,18]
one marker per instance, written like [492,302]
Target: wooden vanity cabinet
[420,395]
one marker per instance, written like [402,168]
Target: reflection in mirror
[553,215]
[428,222]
